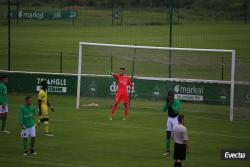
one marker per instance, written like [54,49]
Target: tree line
[220,4]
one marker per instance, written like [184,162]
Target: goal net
[242,91]
[201,77]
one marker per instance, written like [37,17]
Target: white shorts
[171,122]
[25,133]
[3,109]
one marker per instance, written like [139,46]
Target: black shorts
[180,151]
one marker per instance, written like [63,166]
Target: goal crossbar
[233,59]
[156,47]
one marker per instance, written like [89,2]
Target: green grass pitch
[86,138]
[42,45]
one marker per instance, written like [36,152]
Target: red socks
[126,110]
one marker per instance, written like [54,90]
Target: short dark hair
[122,68]
[44,82]
[3,77]
[171,93]
[180,118]
[28,97]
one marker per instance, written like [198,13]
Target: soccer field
[86,138]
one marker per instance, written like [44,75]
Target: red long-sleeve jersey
[123,81]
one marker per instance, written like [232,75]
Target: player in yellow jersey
[43,106]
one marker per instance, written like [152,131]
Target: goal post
[231,54]
[232,85]
[78,93]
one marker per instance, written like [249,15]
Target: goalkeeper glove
[132,91]
[51,108]
[109,72]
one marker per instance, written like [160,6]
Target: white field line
[40,162]
[160,129]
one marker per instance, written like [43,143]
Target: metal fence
[42,31]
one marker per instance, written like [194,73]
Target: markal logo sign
[189,93]
[31,14]
[55,85]
[235,154]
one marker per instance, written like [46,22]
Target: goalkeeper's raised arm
[110,73]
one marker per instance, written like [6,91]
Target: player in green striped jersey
[3,103]
[172,106]
[27,116]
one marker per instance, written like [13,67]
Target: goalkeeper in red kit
[123,81]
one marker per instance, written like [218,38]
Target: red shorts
[121,96]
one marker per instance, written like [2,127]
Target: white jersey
[180,134]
